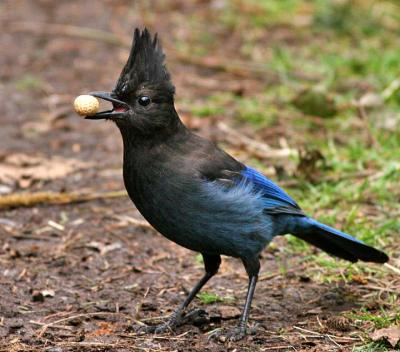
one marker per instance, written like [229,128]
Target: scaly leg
[252,268]
[211,264]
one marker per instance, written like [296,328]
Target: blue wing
[276,200]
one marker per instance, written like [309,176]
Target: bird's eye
[144,100]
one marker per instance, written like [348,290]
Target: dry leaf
[48,293]
[105,328]
[391,334]
[23,169]
[359,279]
[228,312]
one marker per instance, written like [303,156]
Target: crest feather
[145,64]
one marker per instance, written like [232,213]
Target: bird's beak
[118,111]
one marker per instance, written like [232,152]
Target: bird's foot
[232,334]
[196,317]
[174,320]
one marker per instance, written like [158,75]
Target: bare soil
[81,276]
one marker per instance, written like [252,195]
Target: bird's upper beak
[119,110]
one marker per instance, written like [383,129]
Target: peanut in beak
[86,105]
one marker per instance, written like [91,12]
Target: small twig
[383,289]
[139,337]
[333,341]
[316,334]
[392,88]
[351,175]
[133,221]
[16,200]
[274,348]
[64,327]
[83,315]
[319,322]
[160,317]
[139,305]
[96,344]
[275,274]
[319,335]
[236,67]
[169,337]
[256,148]
[393,268]
[364,119]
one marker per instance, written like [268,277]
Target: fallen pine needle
[94,344]
[63,327]
[316,334]
[275,348]
[133,221]
[391,267]
[383,289]
[83,315]
[16,200]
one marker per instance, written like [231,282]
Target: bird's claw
[174,321]
[195,317]
[233,334]
[156,329]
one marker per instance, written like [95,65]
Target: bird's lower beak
[117,112]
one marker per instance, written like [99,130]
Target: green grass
[341,50]
[205,110]
[28,82]
[382,319]
[199,259]
[348,48]
[373,347]
[209,298]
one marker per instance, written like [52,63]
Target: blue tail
[337,243]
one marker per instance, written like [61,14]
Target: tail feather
[337,243]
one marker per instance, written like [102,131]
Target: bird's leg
[211,264]
[238,332]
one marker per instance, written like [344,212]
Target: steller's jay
[194,193]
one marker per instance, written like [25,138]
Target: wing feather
[275,199]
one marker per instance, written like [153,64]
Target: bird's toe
[236,334]
[145,329]
[232,334]
[155,329]
[170,325]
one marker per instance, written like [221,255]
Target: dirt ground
[81,276]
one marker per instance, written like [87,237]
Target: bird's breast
[198,214]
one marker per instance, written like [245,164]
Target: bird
[197,195]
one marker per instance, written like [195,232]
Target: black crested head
[143,98]
[145,65]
